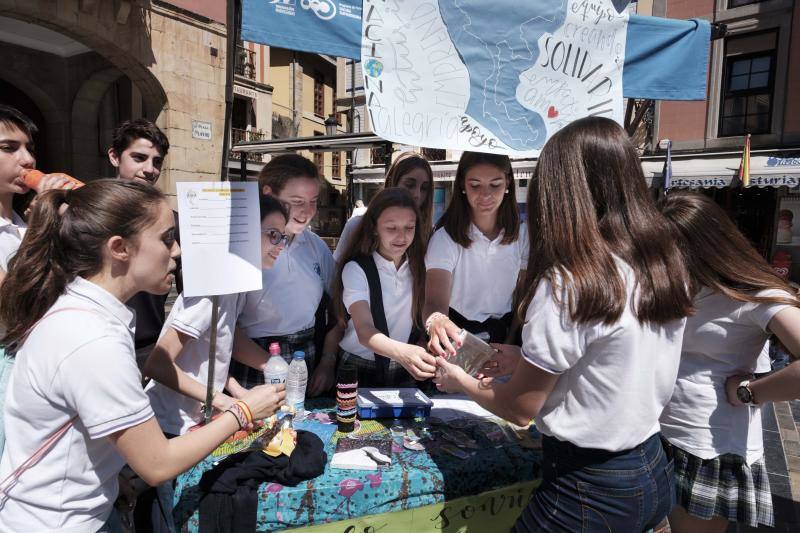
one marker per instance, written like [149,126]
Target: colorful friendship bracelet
[246,409]
[237,411]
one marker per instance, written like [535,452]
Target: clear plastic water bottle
[296,382]
[277,369]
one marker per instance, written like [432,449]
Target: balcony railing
[239,135]
[245,63]
[434,154]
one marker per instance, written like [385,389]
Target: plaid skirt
[396,375]
[302,341]
[724,486]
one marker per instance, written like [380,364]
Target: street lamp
[330,125]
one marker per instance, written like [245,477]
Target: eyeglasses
[276,237]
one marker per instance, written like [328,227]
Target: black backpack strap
[367,264]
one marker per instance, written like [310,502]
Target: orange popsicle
[33,177]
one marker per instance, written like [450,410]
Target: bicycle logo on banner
[323,9]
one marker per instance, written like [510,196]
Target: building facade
[753,88]
[79,67]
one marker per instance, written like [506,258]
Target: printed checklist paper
[220,237]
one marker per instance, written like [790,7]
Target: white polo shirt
[80,363]
[176,413]
[347,234]
[11,233]
[484,275]
[292,289]
[614,380]
[396,289]
[724,337]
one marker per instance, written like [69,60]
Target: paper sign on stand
[221,249]
[220,237]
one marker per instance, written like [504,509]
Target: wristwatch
[744,394]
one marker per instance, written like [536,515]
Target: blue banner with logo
[331,27]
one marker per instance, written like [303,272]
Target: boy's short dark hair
[11,116]
[140,128]
[283,168]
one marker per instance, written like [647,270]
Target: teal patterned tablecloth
[415,478]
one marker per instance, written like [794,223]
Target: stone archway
[56,124]
[85,108]
[125,43]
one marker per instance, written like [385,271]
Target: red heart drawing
[552,112]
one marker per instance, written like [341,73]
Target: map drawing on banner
[499,76]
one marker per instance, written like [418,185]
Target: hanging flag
[666,59]
[330,27]
[744,166]
[667,171]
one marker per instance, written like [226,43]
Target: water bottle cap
[298,355]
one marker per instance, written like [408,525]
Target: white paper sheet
[220,237]
[455,406]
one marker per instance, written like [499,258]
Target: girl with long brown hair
[75,383]
[739,301]
[606,296]
[385,257]
[476,256]
[412,172]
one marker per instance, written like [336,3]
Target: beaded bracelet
[434,316]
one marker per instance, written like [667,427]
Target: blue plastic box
[393,403]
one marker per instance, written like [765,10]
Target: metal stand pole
[212,349]
[233,39]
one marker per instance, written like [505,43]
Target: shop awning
[768,168]
[317,143]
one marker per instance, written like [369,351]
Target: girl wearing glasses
[179,361]
[291,300]
[387,251]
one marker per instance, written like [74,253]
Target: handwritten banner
[498,76]
[495,510]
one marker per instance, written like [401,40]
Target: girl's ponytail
[36,277]
[65,239]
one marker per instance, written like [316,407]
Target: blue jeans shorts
[592,490]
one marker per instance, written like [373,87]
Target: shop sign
[703,182]
[201,130]
[244,91]
[783,162]
[777,180]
